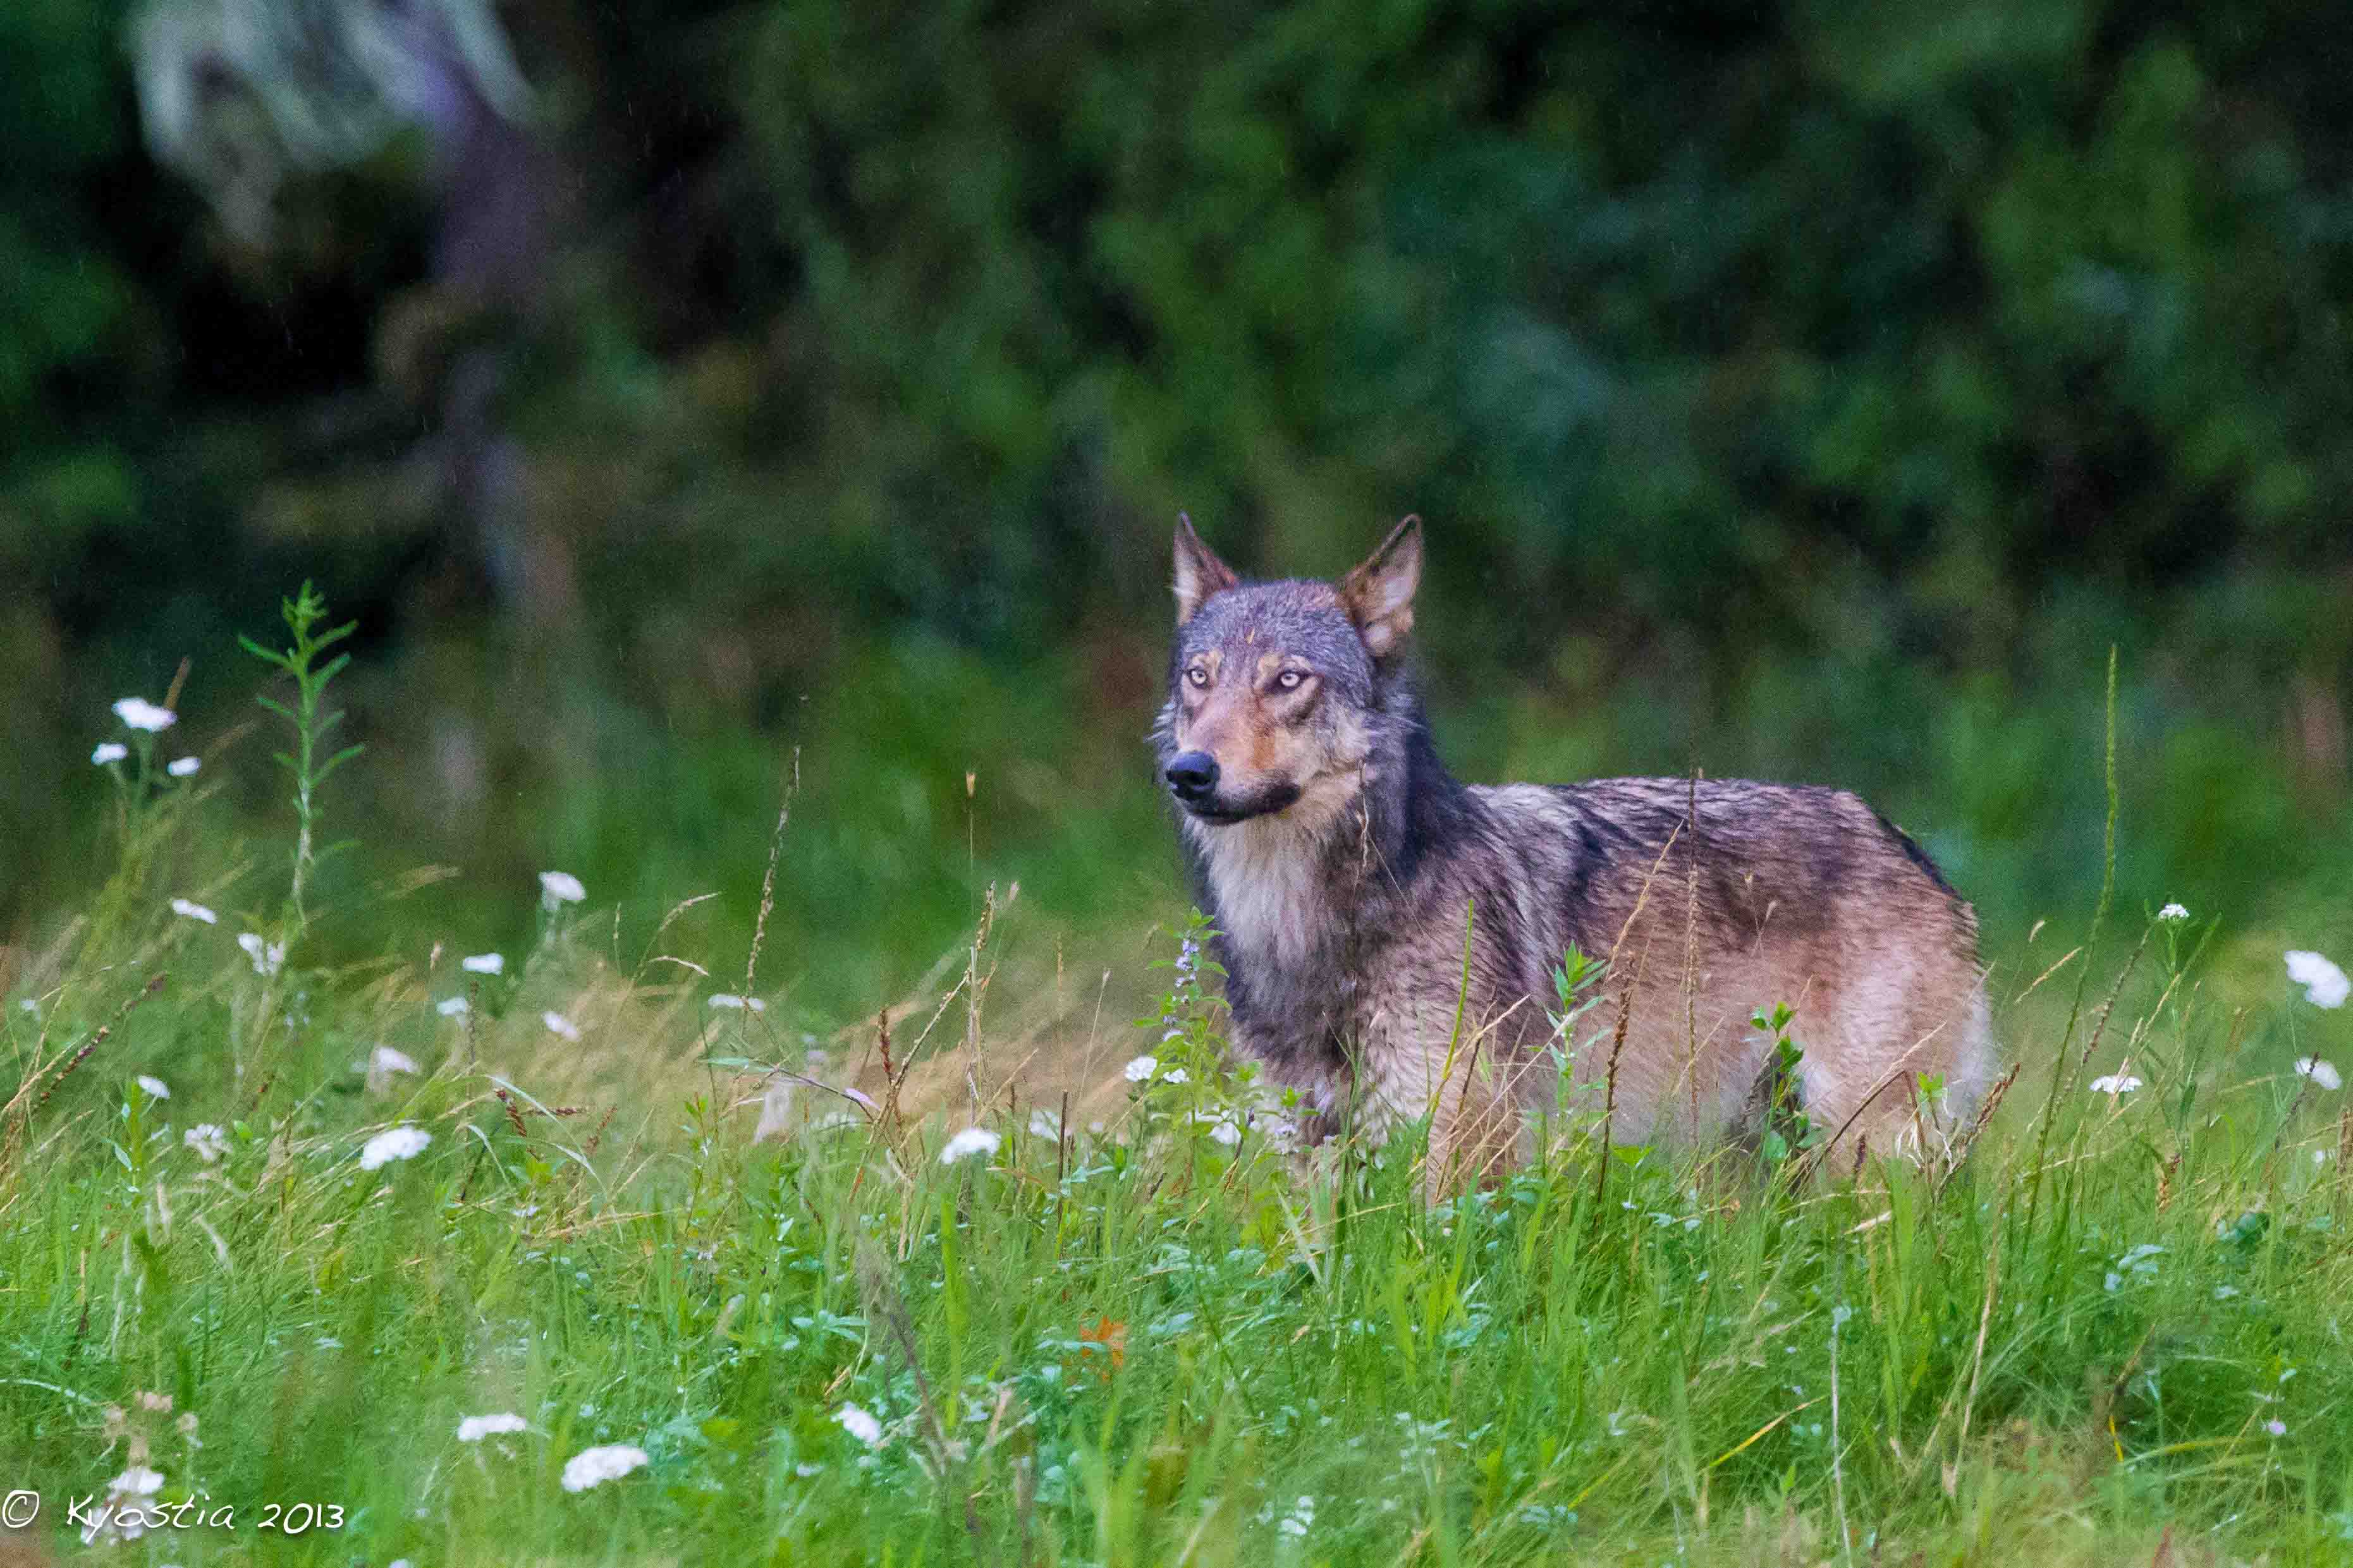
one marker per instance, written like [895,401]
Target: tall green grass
[1124,1326]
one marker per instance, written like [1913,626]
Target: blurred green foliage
[1800,389]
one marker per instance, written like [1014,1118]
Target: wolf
[1391,935]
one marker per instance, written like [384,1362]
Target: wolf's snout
[1193,776]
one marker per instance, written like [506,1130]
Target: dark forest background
[1816,391]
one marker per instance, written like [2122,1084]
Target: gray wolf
[1390,935]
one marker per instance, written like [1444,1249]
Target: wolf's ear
[1378,595]
[1199,573]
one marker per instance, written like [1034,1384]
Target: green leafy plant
[1789,1131]
[303,663]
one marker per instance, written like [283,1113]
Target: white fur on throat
[1264,872]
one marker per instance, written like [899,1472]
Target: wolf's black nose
[1193,775]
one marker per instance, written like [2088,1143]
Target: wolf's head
[1275,688]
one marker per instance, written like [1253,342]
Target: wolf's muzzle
[1193,777]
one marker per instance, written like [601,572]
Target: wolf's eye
[1289,679]
[1198,674]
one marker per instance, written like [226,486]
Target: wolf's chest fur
[1343,974]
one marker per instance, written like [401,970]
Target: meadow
[596,1249]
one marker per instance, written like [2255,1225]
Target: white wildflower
[381,1063]
[2275,1427]
[195,911]
[733,1003]
[860,1424]
[1223,1129]
[2173,912]
[208,1139]
[123,1515]
[484,964]
[1140,1070]
[1299,1520]
[2115,1083]
[557,888]
[138,1481]
[2320,1070]
[595,1467]
[2324,984]
[1045,1125]
[970,1142]
[776,1110]
[452,1007]
[108,752]
[398,1143]
[1175,1075]
[562,1027]
[266,956]
[138,713]
[156,1087]
[474,1428]
[185,767]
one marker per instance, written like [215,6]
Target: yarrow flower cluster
[970,1142]
[729,1000]
[267,956]
[156,1087]
[557,888]
[189,908]
[138,713]
[1140,1070]
[398,1143]
[1223,1129]
[484,964]
[2115,1083]
[562,1027]
[2173,913]
[595,1467]
[860,1424]
[2324,984]
[122,1516]
[474,1428]
[209,1140]
[2321,1071]
[381,1063]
